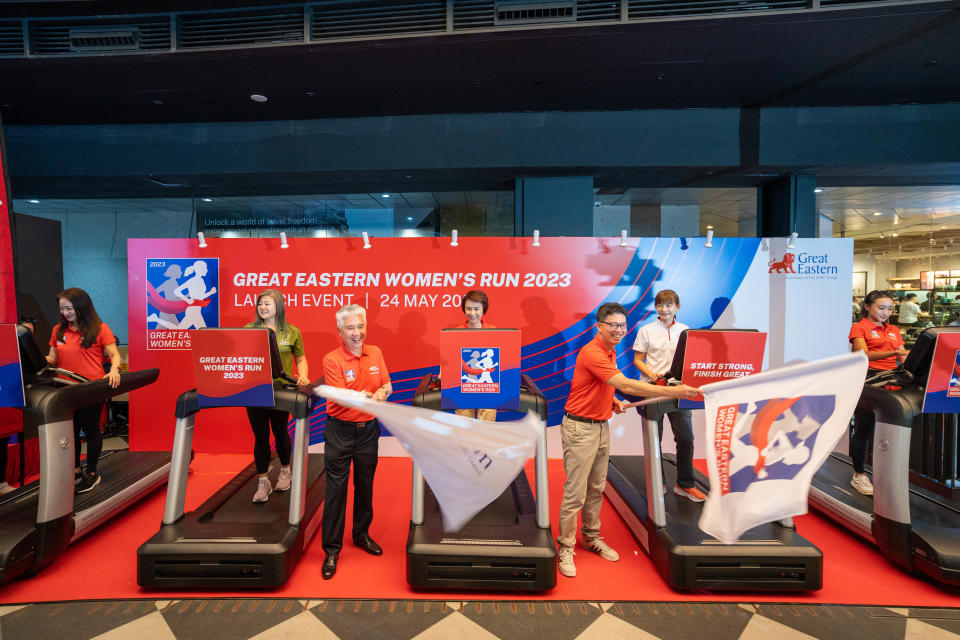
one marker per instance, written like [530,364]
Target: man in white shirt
[653,354]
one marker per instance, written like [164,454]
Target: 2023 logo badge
[181,295]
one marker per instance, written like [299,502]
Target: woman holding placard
[78,344]
[883,345]
[271,315]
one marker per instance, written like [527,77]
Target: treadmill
[508,545]
[769,557]
[228,541]
[916,527]
[38,521]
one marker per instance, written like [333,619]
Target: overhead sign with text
[412,288]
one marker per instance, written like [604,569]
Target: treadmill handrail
[53,404]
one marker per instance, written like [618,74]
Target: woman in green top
[270,314]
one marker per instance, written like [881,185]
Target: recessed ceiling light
[384,195]
[409,218]
[709,227]
[258,97]
[895,234]
[818,190]
[33,201]
[878,213]
[207,199]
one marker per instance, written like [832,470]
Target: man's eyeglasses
[615,325]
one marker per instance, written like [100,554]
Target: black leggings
[863,425]
[262,421]
[87,419]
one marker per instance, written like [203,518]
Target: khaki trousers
[586,452]
[487,415]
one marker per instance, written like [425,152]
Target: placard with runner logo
[232,368]
[479,368]
[11,373]
[942,394]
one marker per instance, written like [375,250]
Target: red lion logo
[784,266]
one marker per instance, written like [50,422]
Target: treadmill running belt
[502,512]
[239,507]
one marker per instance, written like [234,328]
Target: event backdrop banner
[412,289]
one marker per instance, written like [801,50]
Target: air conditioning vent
[511,13]
[594,10]
[96,40]
[11,39]
[639,9]
[232,28]
[377,17]
[472,14]
[85,37]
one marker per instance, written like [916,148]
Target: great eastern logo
[810,264]
[783,266]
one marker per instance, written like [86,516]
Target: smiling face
[667,311]
[267,310]
[353,333]
[67,310]
[879,310]
[612,329]
[473,311]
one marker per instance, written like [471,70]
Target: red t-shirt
[483,325]
[366,372]
[73,357]
[590,395]
[879,337]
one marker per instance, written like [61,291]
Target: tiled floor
[435,620]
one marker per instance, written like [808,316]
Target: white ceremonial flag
[468,463]
[768,434]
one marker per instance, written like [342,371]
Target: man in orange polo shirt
[585,433]
[351,436]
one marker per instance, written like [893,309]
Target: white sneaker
[598,546]
[5,488]
[263,490]
[861,482]
[283,480]
[566,565]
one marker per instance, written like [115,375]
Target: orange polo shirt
[366,372]
[483,325]
[879,337]
[590,395]
[73,357]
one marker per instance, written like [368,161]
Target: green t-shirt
[291,346]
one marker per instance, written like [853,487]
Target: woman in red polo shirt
[883,345]
[78,344]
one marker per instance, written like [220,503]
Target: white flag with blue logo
[467,463]
[768,434]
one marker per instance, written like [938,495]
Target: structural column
[787,205]
[555,206]
[665,220]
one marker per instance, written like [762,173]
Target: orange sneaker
[693,494]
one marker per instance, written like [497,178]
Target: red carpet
[103,565]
